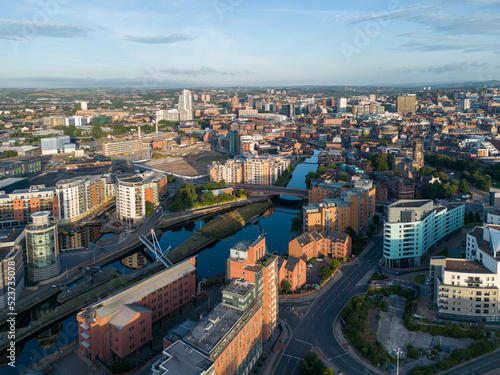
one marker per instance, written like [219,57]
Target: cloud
[13,29]
[197,72]
[446,68]
[161,39]
[442,18]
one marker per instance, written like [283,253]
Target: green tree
[312,365]
[470,216]
[453,187]
[331,166]
[286,286]
[208,198]
[171,177]
[464,186]
[321,169]
[329,371]
[426,171]
[477,217]
[376,219]
[325,272]
[149,208]
[97,132]
[222,184]
[335,264]
[344,177]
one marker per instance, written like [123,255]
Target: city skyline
[59,43]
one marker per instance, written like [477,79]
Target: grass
[419,279]
[376,277]
[218,228]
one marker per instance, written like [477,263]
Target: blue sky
[65,43]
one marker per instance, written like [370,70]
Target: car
[319,259]
[310,265]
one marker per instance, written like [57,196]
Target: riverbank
[217,229]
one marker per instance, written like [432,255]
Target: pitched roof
[126,313]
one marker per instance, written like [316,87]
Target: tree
[149,208]
[477,217]
[321,169]
[329,371]
[312,365]
[331,166]
[171,178]
[470,216]
[453,187]
[208,198]
[286,286]
[325,272]
[344,177]
[97,132]
[426,171]
[334,264]
[376,219]
[222,184]
[464,186]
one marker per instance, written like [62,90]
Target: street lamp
[398,352]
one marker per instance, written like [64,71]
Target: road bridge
[273,190]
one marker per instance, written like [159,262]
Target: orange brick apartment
[314,244]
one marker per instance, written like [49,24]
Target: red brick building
[122,323]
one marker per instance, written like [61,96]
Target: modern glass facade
[42,249]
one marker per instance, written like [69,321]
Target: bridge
[273,190]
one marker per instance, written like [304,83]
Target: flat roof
[212,329]
[10,181]
[462,265]
[239,288]
[182,359]
[242,245]
[408,204]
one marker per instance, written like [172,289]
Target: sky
[198,43]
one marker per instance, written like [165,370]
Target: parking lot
[313,269]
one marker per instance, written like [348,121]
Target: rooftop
[239,287]
[181,359]
[136,292]
[462,265]
[410,203]
[212,329]
[242,245]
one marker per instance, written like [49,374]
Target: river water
[211,261]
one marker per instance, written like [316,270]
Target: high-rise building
[42,248]
[406,103]
[231,171]
[464,104]
[342,105]
[251,262]
[83,106]
[57,145]
[79,195]
[185,101]
[235,102]
[414,226]
[133,192]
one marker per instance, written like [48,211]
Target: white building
[185,101]
[77,121]
[57,145]
[468,289]
[342,106]
[414,226]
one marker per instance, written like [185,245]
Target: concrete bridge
[273,190]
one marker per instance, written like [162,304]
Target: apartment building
[314,244]
[229,339]
[16,207]
[352,206]
[132,146]
[292,270]
[231,171]
[20,168]
[363,190]
[79,195]
[11,263]
[255,170]
[414,226]
[264,170]
[122,323]
[468,289]
[133,191]
[251,261]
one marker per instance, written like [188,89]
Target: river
[211,261]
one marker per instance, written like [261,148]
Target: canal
[276,224]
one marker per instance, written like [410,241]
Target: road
[277,189]
[314,329]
